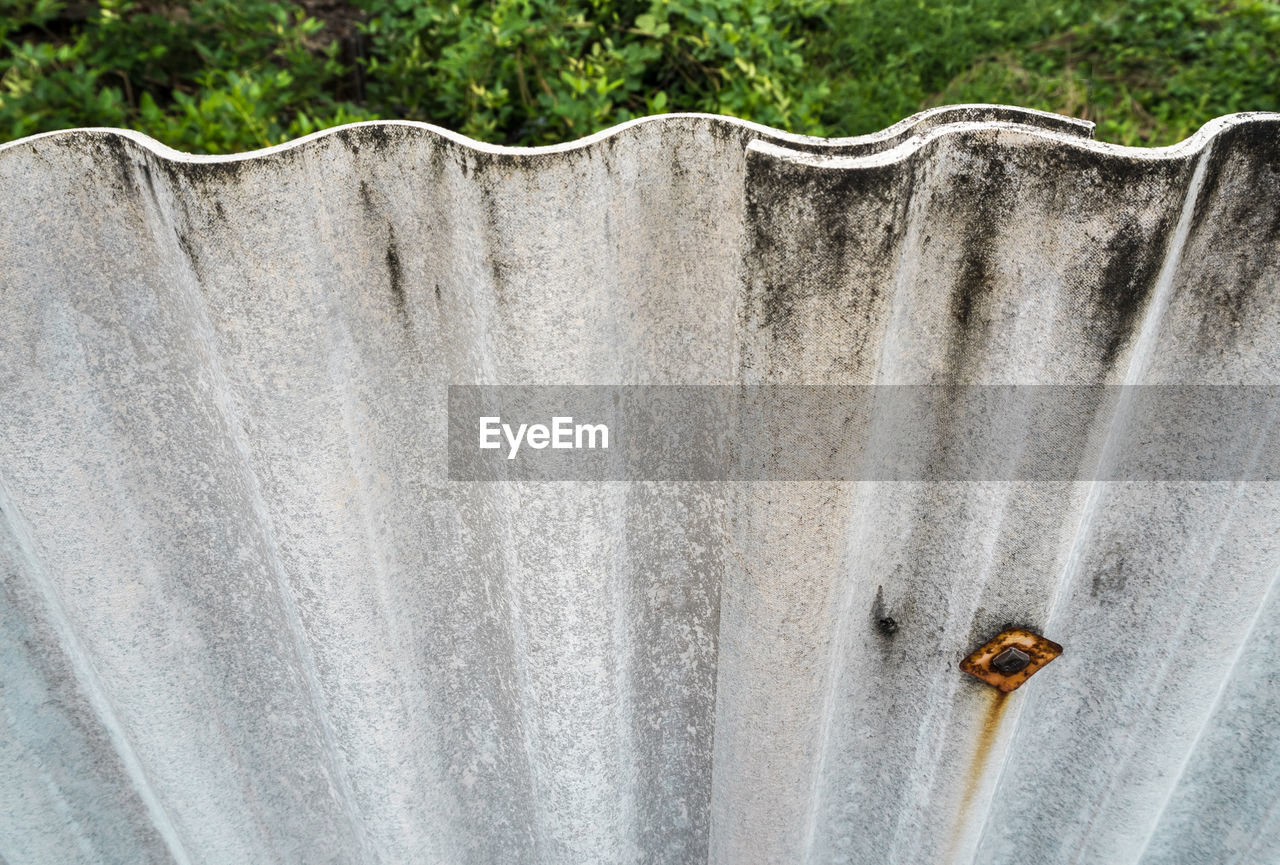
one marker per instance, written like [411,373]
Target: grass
[223,75]
[1146,74]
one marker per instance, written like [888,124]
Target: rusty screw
[1010,661]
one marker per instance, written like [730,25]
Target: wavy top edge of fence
[888,145]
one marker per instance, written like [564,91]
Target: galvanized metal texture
[246,617]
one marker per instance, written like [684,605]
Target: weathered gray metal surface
[247,618]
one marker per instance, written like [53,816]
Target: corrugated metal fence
[246,617]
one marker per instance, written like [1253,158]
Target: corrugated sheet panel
[246,616]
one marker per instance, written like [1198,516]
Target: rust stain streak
[997,703]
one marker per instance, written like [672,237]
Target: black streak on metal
[885,624]
[395,271]
[1110,576]
[1243,157]
[862,226]
[1132,265]
[184,243]
[982,198]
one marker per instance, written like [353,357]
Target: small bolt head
[1010,661]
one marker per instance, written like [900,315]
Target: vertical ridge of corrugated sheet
[246,617]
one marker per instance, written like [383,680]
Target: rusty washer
[1011,658]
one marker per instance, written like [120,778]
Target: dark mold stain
[1248,159]
[885,625]
[378,135]
[1110,576]
[395,266]
[211,175]
[777,305]
[730,133]
[498,264]
[862,219]
[481,163]
[146,175]
[975,275]
[351,139]
[1056,164]
[1115,278]
[111,149]
[184,243]
[1132,265]
[395,271]
[983,201]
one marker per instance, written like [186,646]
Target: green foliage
[211,76]
[541,71]
[1150,71]
[228,75]
[887,58]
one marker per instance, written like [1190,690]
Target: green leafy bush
[211,76]
[541,71]
[227,75]
[1149,71]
